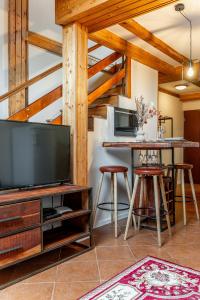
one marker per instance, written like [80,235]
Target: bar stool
[182,168]
[113,170]
[156,173]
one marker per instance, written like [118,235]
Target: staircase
[98,100]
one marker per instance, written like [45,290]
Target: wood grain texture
[106,86]
[107,12]
[93,48]
[75,97]
[102,64]
[150,38]
[70,11]
[113,41]
[99,111]
[117,15]
[110,100]
[152,145]
[28,244]
[17,52]
[57,120]
[35,107]
[190,97]
[19,216]
[128,77]
[45,43]
[30,82]
[36,193]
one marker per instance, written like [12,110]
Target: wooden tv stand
[29,243]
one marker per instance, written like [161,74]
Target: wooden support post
[17,49]
[75,97]
[128,77]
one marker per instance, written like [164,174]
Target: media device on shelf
[33,154]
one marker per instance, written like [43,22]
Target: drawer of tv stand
[19,216]
[19,246]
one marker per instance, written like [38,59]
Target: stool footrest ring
[103,204]
[139,212]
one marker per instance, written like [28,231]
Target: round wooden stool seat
[183,166]
[156,174]
[113,169]
[113,205]
[182,169]
[150,171]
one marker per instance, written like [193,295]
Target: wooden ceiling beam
[165,78]
[44,43]
[168,92]
[107,12]
[134,9]
[73,10]
[141,32]
[111,13]
[190,97]
[113,41]
[94,48]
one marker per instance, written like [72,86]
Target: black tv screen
[33,154]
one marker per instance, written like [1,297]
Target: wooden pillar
[128,77]
[17,51]
[75,97]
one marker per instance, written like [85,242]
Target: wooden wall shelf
[25,235]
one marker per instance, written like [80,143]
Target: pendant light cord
[190,22]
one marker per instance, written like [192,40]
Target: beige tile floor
[71,279]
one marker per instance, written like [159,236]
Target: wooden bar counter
[159,145]
[152,145]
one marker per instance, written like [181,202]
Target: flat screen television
[33,154]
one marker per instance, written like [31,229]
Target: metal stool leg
[115,204]
[129,196]
[97,198]
[131,205]
[193,193]
[141,199]
[162,188]
[155,184]
[183,196]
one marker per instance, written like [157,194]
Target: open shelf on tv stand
[26,237]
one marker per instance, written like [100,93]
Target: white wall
[145,83]
[172,107]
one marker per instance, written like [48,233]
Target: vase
[140,135]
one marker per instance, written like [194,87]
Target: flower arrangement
[144,111]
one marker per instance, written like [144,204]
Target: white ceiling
[169,26]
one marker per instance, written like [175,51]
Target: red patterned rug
[150,279]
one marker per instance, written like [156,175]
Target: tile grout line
[54,284]
[132,252]
[53,290]
[98,264]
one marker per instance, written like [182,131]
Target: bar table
[168,144]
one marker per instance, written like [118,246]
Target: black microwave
[125,122]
